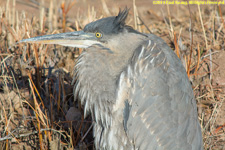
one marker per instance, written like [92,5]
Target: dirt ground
[35,81]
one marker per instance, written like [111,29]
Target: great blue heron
[134,86]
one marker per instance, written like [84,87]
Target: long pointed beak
[78,39]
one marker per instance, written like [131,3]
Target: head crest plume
[121,17]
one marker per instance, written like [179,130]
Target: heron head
[97,32]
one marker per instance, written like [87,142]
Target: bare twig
[10,137]
[203,28]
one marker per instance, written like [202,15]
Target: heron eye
[98,35]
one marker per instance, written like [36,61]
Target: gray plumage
[134,86]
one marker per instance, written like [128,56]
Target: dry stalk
[45,54]
[9,29]
[87,132]
[191,50]
[32,133]
[203,28]
[105,8]
[59,93]
[64,16]
[171,25]
[198,60]
[79,130]
[38,66]
[136,21]
[47,132]
[176,45]
[6,129]
[50,15]
[37,118]
[42,12]
[221,16]
[65,11]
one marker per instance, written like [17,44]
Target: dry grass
[37,107]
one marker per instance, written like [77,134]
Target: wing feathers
[162,109]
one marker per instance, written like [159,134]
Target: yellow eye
[98,35]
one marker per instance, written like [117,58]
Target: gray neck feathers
[97,72]
[96,83]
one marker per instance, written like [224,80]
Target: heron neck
[98,70]
[97,75]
